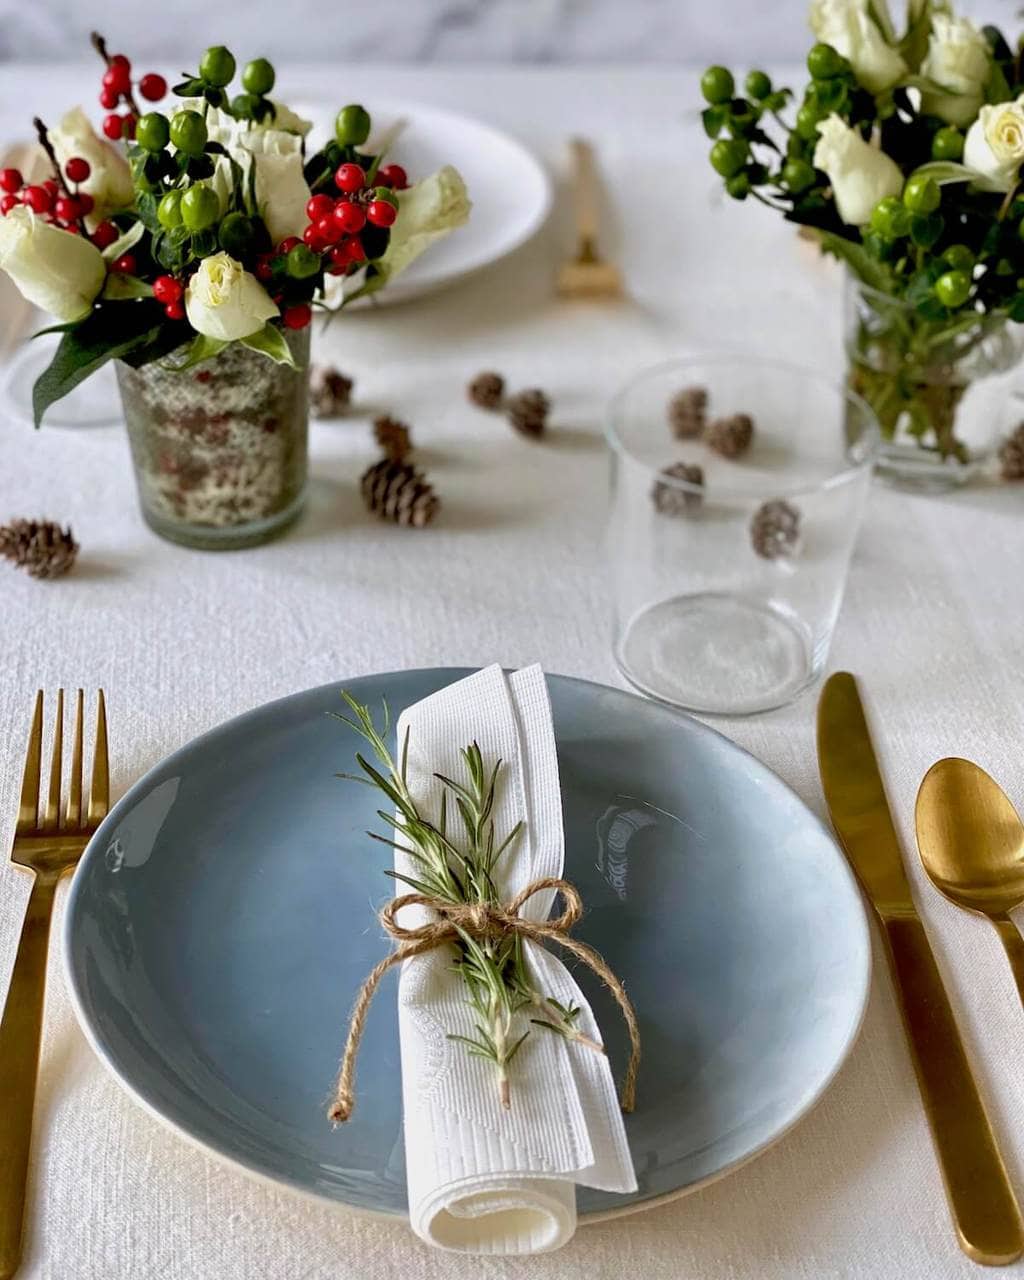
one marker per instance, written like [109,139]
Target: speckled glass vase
[220,449]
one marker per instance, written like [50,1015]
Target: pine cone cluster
[487,390]
[398,492]
[40,547]
[528,412]
[674,500]
[775,529]
[686,412]
[393,437]
[330,392]
[731,436]
[1011,455]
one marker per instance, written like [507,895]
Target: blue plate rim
[232,1159]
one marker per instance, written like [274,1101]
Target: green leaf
[190,87]
[944,172]
[714,118]
[202,347]
[873,273]
[111,331]
[119,288]
[124,242]
[270,341]
[146,203]
[997,87]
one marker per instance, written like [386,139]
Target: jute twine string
[481,921]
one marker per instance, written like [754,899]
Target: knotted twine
[481,921]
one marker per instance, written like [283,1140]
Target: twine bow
[480,920]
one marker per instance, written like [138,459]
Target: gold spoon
[971,841]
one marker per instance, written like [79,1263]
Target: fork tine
[50,818]
[74,811]
[99,787]
[29,805]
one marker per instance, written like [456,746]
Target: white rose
[994,146]
[849,27]
[224,301]
[110,180]
[426,212]
[56,270]
[279,183]
[860,174]
[959,60]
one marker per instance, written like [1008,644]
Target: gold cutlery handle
[585,191]
[1013,945]
[984,1208]
[20,1034]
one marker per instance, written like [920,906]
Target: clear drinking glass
[726,590]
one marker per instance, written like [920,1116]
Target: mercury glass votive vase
[220,448]
[738,486]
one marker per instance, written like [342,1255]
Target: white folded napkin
[483,1179]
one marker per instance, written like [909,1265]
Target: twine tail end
[340,1110]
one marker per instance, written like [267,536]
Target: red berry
[288,243]
[264,268]
[297,316]
[85,203]
[350,178]
[118,75]
[174,311]
[10,180]
[381,213]
[312,237]
[356,252]
[318,207]
[7,203]
[167,289]
[67,209]
[349,217]
[77,169]
[119,60]
[109,98]
[113,126]
[394,176]
[328,230]
[105,235]
[125,265]
[52,187]
[152,87]
[38,199]
[71,230]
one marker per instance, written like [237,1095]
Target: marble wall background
[538,31]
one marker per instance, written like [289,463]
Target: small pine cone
[40,547]
[731,436]
[330,392]
[775,529]
[1011,455]
[487,390]
[396,491]
[393,437]
[686,412]
[671,500]
[528,412]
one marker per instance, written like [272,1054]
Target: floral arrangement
[904,155]
[179,232]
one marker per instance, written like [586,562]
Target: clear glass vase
[219,449]
[932,384]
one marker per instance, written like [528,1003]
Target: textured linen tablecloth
[933,622]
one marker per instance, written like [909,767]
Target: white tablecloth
[933,621]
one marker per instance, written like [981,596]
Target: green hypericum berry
[152,132]
[168,211]
[757,85]
[258,76]
[889,219]
[200,208]
[243,105]
[948,144]
[958,257]
[236,235]
[728,156]
[823,62]
[188,132]
[301,262]
[797,175]
[717,85]
[352,125]
[738,186]
[953,288]
[922,194]
[1020,229]
[217,66]
[807,119]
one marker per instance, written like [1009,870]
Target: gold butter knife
[984,1209]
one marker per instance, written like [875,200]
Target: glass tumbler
[738,487]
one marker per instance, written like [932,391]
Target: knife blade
[984,1209]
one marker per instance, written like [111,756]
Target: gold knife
[985,1211]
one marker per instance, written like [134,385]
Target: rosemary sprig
[455,862]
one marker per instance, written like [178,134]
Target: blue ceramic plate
[221,922]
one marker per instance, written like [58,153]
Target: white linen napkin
[483,1179]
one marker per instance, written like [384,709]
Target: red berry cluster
[117,88]
[336,221]
[58,205]
[169,291]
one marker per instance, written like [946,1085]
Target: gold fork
[46,843]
